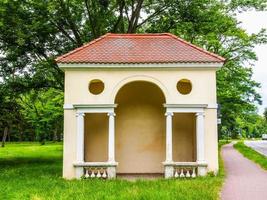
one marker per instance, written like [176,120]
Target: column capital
[80,114]
[169,114]
[111,114]
[200,114]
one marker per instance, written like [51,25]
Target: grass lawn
[251,154]
[32,171]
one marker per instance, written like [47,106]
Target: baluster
[92,174]
[193,173]
[188,174]
[176,174]
[104,175]
[87,173]
[101,172]
[98,174]
[182,173]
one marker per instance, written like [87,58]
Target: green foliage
[252,126]
[32,171]
[214,27]
[43,111]
[251,154]
[265,114]
[37,31]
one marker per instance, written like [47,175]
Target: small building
[140,104]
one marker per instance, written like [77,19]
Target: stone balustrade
[185,172]
[101,170]
[95,172]
[183,169]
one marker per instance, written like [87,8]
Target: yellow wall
[211,139]
[69,144]
[203,92]
[96,137]
[140,129]
[184,137]
[203,81]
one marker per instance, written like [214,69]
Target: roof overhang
[81,66]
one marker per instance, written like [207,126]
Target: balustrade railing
[185,172]
[183,169]
[95,172]
[101,170]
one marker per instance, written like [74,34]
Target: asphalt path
[259,146]
[245,180]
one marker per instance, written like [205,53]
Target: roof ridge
[196,47]
[82,47]
[136,34]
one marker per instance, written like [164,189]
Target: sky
[252,22]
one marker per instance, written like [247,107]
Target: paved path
[258,145]
[244,179]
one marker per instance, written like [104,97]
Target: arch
[145,78]
[140,128]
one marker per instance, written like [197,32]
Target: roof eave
[73,66]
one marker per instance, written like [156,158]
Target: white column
[169,169]
[169,136]
[200,140]
[111,170]
[80,143]
[111,137]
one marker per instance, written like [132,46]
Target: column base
[111,171]
[168,171]
[202,171]
[202,168]
[79,172]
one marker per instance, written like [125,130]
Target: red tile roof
[139,48]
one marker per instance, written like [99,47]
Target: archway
[140,128]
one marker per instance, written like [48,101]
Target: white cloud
[252,22]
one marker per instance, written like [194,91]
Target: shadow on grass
[11,162]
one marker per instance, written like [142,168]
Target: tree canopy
[34,32]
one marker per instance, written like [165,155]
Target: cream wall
[96,137]
[140,129]
[203,81]
[211,139]
[203,92]
[183,131]
[69,144]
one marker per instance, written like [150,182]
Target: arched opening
[140,128]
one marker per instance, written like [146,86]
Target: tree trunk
[19,128]
[4,136]
[8,135]
[20,135]
[55,135]
[33,137]
[59,136]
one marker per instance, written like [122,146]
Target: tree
[43,110]
[213,26]
[252,125]
[9,111]
[265,114]
[37,31]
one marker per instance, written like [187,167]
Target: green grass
[251,154]
[32,171]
